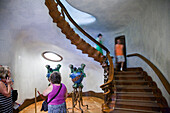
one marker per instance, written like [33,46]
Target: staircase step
[150,106]
[129,77]
[134,69]
[136,96]
[131,82]
[77,41]
[54,15]
[144,93]
[86,50]
[82,45]
[129,100]
[134,88]
[69,33]
[139,75]
[128,72]
[125,110]
[96,55]
[92,52]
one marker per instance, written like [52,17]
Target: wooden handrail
[107,87]
[155,69]
[79,28]
[111,73]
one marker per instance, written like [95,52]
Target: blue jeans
[61,108]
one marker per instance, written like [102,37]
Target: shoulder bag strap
[56,94]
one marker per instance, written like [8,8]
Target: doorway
[123,41]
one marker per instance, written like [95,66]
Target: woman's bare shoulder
[1,83]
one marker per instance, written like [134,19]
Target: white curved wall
[29,69]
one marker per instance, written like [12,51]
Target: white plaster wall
[29,69]
[149,35]
[27,30]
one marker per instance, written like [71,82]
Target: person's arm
[123,48]
[6,91]
[66,94]
[115,51]
[48,90]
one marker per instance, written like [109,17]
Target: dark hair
[99,35]
[55,78]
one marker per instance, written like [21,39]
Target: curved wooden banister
[79,28]
[69,32]
[111,73]
[155,69]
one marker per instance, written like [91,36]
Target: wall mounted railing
[155,69]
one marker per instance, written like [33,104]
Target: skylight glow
[81,18]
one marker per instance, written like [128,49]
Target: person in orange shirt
[119,54]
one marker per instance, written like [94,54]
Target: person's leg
[118,66]
[122,63]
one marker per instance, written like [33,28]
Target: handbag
[45,103]
[14,95]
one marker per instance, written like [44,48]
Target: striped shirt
[6,104]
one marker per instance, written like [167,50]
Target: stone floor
[93,103]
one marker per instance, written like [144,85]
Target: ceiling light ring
[43,55]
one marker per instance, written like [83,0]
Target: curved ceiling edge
[81,18]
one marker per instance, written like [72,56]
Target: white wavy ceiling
[111,14]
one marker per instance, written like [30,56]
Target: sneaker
[121,69]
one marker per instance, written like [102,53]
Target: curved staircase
[59,19]
[137,93]
[132,91]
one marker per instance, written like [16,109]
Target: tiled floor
[93,103]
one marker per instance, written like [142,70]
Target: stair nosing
[136,110]
[129,100]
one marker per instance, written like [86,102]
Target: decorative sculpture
[77,75]
[50,70]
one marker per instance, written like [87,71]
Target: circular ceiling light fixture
[52,56]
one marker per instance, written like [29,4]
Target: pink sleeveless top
[59,99]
